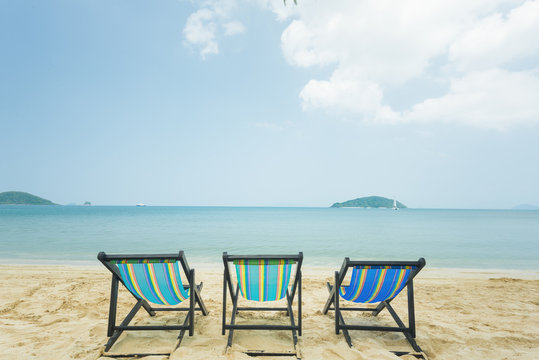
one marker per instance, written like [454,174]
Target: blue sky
[253,103]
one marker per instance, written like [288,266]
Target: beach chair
[156,280]
[375,282]
[263,278]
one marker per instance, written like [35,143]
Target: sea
[468,239]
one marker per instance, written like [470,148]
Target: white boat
[141,204]
[395,205]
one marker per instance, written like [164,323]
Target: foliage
[22,198]
[371,202]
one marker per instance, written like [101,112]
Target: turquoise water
[497,239]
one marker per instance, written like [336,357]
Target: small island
[22,198]
[370,202]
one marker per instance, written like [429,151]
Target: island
[22,198]
[370,202]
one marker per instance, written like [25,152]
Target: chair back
[263,279]
[154,278]
[375,283]
[158,282]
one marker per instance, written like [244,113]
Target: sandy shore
[59,312]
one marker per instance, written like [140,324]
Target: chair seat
[263,280]
[157,283]
[372,285]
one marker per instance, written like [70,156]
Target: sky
[260,103]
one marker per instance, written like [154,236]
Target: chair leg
[336,303]
[411,310]
[146,306]
[299,306]
[113,305]
[125,322]
[199,301]
[224,305]
[201,304]
[406,332]
[192,300]
[233,318]
[180,336]
[292,322]
[380,307]
[330,299]
[345,330]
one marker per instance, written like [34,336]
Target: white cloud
[384,41]
[381,45]
[295,40]
[346,89]
[200,31]
[497,40]
[281,11]
[494,99]
[483,51]
[234,28]
[203,26]
[214,18]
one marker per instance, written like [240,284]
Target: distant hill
[369,201]
[22,198]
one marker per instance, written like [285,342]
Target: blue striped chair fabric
[370,284]
[263,280]
[156,282]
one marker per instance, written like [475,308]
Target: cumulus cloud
[214,18]
[234,28]
[203,27]
[497,40]
[345,88]
[482,54]
[493,98]
[298,43]
[474,47]
[200,31]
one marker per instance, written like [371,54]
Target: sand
[60,312]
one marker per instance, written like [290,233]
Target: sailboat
[395,205]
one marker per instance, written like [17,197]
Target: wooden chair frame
[333,299]
[228,287]
[114,331]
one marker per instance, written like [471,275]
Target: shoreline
[431,272]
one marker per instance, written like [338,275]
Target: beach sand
[60,312]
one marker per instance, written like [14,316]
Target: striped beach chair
[263,278]
[158,283]
[375,282]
